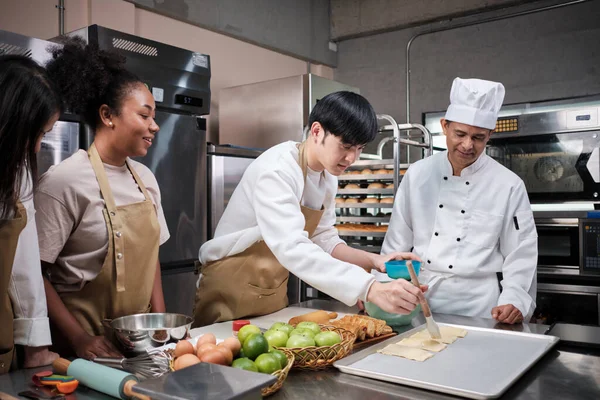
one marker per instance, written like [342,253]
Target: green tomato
[267,363]
[255,345]
[282,326]
[280,355]
[246,331]
[245,363]
[300,341]
[327,338]
[312,326]
[302,332]
[276,338]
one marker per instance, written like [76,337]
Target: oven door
[558,246]
[573,304]
[555,167]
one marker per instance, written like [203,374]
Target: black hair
[346,115]
[28,100]
[89,77]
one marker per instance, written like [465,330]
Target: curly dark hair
[88,77]
[28,100]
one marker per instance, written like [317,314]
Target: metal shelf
[366,191]
[364,205]
[342,232]
[364,219]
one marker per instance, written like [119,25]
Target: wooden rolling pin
[320,317]
[110,381]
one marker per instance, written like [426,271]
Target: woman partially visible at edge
[29,107]
[100,220]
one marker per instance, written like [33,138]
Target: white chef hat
[475,102]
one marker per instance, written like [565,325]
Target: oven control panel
[589,234]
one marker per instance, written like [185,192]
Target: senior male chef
[468,217]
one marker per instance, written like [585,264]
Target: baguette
[320,317]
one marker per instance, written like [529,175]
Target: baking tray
[366,191]
[364,205]
[366,177]
[360,219]
[343,232]
[482,365]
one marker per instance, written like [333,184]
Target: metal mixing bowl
[134,334]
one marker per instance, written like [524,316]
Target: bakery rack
[362,218]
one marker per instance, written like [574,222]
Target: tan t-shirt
[71,228]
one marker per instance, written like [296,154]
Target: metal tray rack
[367,213]
[482,365]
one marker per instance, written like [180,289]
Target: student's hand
[380,260]
[38,356]
[507,314]
[396,297]
[90,347]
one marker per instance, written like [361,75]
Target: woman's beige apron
[124,284]
[250,283]
[9,237]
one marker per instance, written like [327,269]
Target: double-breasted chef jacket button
[119,234]
[436,233]
[441,206]
[428,261]
[462,211]
[119,255]
[467,182]
[445,178]
[450,266]
[458,239]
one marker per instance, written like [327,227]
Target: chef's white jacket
[266,206]
[466,229]
[26,286]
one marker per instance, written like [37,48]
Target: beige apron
[124,284]
[9,237]
[250,283]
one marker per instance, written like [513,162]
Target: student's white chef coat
[266,206]
[466,229]
[26,287]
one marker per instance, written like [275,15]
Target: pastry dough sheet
[410,353]
[423,344]
[449,334]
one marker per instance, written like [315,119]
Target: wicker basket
[281,375]
[315,358]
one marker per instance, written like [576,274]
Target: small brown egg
[233,344]
[183,347]
[185,361]
[214,357]
[203,348]
[226,352]
[206,338]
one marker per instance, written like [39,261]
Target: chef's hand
[38,356]
[90,347]
[507,314]
[379,260]
[396,297]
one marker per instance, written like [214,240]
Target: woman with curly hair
[29,107]
[100,220]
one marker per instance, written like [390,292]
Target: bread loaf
[352,186]
[352,200]
[387,200]
[339,200]
[320,317]
[366,171]
[375,185]
[371,200]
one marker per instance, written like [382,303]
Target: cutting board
[284,315]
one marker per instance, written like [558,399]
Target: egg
[207,338]
[233,344]
[203,348]
[183,347]
[226,352]
[185,361]
[214,357]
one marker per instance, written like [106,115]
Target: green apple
[302,332]
[313,326]
[300,341]
[282,326]
[276,338]
[327,338]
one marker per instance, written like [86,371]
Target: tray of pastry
[361,230]
[371,188]
[359,219]
[473,362]
[369,202]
